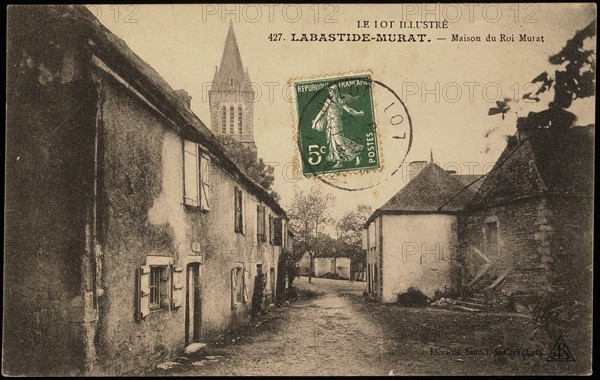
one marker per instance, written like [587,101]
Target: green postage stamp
[336,125]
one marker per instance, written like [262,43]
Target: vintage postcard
[297,189]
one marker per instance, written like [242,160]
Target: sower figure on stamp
[329,119]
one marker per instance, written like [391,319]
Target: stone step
[470,309]
[476,305]
[477,300]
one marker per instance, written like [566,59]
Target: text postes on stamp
[337,126]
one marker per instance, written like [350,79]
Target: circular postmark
[354,132]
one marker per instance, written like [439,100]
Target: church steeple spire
[430,156]
[231,71]
[231,96]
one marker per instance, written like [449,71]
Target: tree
[350,228]
[309,215]
[566,302]
[574,78]
[249,161]
[351,224]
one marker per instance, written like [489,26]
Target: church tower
[231,96]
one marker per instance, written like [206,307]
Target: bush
[446,293]
[412,297]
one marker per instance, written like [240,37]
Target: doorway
[273,285]
[193,304]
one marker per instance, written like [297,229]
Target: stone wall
[49,316]
[143,215]
[523,230]
[571,245]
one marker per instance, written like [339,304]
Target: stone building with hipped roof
[411,240]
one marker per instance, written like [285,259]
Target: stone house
[130,233]
[411,240]
[327,264]
[532,219]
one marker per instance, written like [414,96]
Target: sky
[447,86]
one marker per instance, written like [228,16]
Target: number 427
[315,153]
[275,36]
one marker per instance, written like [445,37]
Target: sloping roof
[547,162]
[474,181]
[78,21]
[428,191]
[231,64]
[433,190]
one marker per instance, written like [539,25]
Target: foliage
[287,271]
[350,227]
[566,302]
[502,107]
[446,293]
[309,214]
[351,224]
[412,297]
[573,79]
[248,160]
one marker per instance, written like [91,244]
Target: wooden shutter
[278,230]
[204,182]
[191,192]
[233,288]
[143,292]
[258,224]
[245,284]
[244,218]
[177,283]
[270,229]
[237,207]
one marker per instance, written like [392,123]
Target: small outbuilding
[411,239]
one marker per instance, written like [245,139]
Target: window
[332,266]
[223,120]
[260,223]
[231,119]
[158,288]
[491,238]
[231,81]
[239,285]
[191,192]
[270,229]
[239,211]
[196,176]
[277,232]
[240,122]
[204,182]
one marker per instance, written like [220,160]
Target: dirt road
[333,330]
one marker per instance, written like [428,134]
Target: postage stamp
[336,125]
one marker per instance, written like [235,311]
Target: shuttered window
[159,286]
[260,223]
[196,173]
[191,194]
[277,231]
[239,210]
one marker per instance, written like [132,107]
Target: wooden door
[193,316]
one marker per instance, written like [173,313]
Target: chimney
[522,129]
[185,98]
[414,168]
